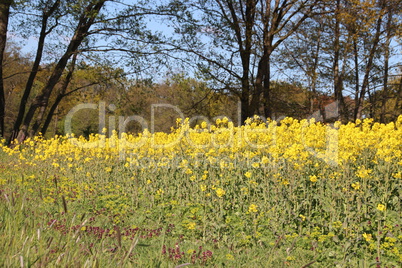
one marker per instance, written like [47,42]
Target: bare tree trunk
[4,15]
[35,67]
[356,63]
[245,107]
[267,90]
[338,81]
[369,66]
[311,71]
[313,75]
[259,80]
[323,113]
[385,92]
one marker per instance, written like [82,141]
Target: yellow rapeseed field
[287,193]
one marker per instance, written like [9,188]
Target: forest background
[207,58]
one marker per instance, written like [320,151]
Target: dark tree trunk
[244,108]
[338,81]
[245,44]
[4,15]
[385,93]
[356,63]
[273,21]
[314,76]
[267,90]
[369,66]
[259,83]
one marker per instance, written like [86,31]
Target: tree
[49,10]
[233,43]
[278,24]
[40,102]
[349,47]
[4,15]
[370,60]
[15,72]
[391,32]
[303,53]
[370,27]
[85,22]
[190,97]
[338,78]
[194,99]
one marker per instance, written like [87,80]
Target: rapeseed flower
[368,237]
[313,178]
[253,208]
[191,225]
[220,192]
[381,207]
[356,185]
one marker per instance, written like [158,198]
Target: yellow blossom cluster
[257,144]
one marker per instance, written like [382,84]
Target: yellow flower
[290,258]
[397,175]
[302,217]
[313,178]
[256,165]
[248,174]
[229,257]
[55,164]
[220,192]
[253,208]
[367,237]
[191,225]
[159,192]
[381,207]
[356,185]
[337,224]
[363,173]
[108,169]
